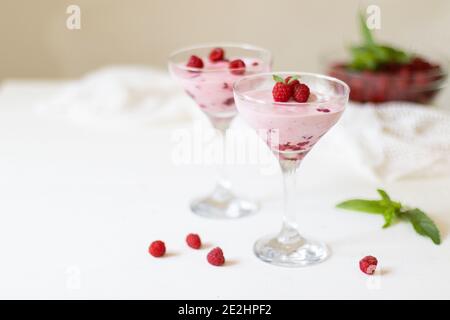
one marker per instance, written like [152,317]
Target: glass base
[299,253]
[222,204]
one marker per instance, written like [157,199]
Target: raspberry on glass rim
[195,62]
[281,92]
[289,88]
[290,128]
[237,67]
[301,93]
[207,74]
[216,54]
[292,82]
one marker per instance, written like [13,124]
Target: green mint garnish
[278,78]
[369,206]
[370,55]
[365,31]
[291,79]
[423,224]
[393,210]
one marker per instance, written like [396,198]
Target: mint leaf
[391,207]
[369,206]
[391,210]
[371,55]
[423,224]
[365,31]
[394,55]
[386,200]
[363,59]
[277,78]
[385,54]
[389,216]
[291,79]
[384,195]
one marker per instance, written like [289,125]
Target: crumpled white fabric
[393,140]
[399,139]
[115,96]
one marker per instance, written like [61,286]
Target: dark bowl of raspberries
[379,73]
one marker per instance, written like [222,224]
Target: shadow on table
[231,262]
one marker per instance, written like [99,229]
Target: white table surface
[80,205]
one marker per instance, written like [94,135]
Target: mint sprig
[392,211]
[422,224]
[370,55]
[365,31]
[277,78]
[292,79]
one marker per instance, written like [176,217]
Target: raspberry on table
[215,257]
[237,67]
[157,248]
[193,240]
[216,54]
[368,264]
[195,62]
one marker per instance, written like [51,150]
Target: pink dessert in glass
[207,74]
[290,112]
[288,129]
[211,86]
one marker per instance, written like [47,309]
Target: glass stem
[289,233]
[223,183]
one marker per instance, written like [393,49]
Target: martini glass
[211,87]
[290,130]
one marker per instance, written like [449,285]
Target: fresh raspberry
[368,264]
[216,54]
[301,93]
[193,241]
[195,62]
[157,248]
[237,67]
[294,83]
[281,92]
[420,64]
[215,257]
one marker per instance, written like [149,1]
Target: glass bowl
[419,81]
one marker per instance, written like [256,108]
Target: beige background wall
[34,40]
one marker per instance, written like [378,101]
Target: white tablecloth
[79,206]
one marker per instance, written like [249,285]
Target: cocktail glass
[211,87]
[290,129]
